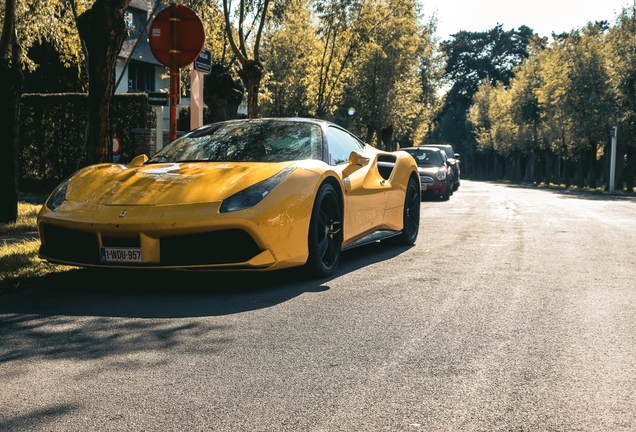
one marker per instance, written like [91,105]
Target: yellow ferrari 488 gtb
[259,194]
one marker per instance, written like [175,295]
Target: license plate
[120,255]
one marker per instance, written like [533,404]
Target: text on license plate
[120,254]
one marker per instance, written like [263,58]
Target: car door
[365,190]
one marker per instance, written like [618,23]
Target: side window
[341,144]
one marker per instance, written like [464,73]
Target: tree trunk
[532,167]
[592,174]
[370,133]
[620,168]
[253,71]
[103,30]
[580,180]
[386,135]
[518,167]
[11,81]
[548,167]
[558,168]
[630,168]
[222,94]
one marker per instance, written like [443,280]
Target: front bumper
[432,187]
[193,236]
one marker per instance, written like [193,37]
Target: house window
[135,20]
[141,77]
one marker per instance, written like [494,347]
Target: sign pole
[612,178]
[176,39]
[159,140]
[174,71]
[196,98]
[158,100]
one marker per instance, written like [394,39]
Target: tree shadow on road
[85,315]
[177,294]
[586,194]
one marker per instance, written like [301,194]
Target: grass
[19,263]
[26,222]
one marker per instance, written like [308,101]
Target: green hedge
[52,130]
[183,121]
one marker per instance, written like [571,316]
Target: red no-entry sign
[176,39]
[185,42]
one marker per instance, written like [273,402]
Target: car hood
[166,184]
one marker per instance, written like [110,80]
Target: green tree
[493,123]
[526,115]
[471,58]
[344,27]
[223,89]
[385,88]
[290,51]
[552,96]
[103,30]
[24,25]
[252,67]
[11,79]
[588,101]
[621,60]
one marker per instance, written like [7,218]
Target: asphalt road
[515,311]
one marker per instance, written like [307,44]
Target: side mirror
[138,160]
[456,155]
[357,158]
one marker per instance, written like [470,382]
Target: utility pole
[613,134]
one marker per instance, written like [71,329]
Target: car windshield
[449,152]
[427,157]
[249,141]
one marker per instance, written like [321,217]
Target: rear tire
[411,215]
[325,232]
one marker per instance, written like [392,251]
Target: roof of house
[142,51]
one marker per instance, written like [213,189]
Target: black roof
[142,51]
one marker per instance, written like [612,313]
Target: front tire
[411,215]
[325,232]
[446,195]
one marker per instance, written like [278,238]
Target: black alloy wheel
[325,232]
[411,215]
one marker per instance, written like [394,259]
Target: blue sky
[544,16]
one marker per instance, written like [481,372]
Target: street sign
[188,36]
[203,63]
[176,39]
[158,99]
[116,145]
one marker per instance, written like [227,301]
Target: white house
[137,69]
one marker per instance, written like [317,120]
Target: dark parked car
[435,172]
[453,160]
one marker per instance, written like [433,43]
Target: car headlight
[58,196]
[441,174]
[252,195]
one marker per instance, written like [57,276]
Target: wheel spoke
[323,246]
[330,252]
[334,228]
[324,219]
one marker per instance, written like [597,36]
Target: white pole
[196,98]
[612,178]
[159,138]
